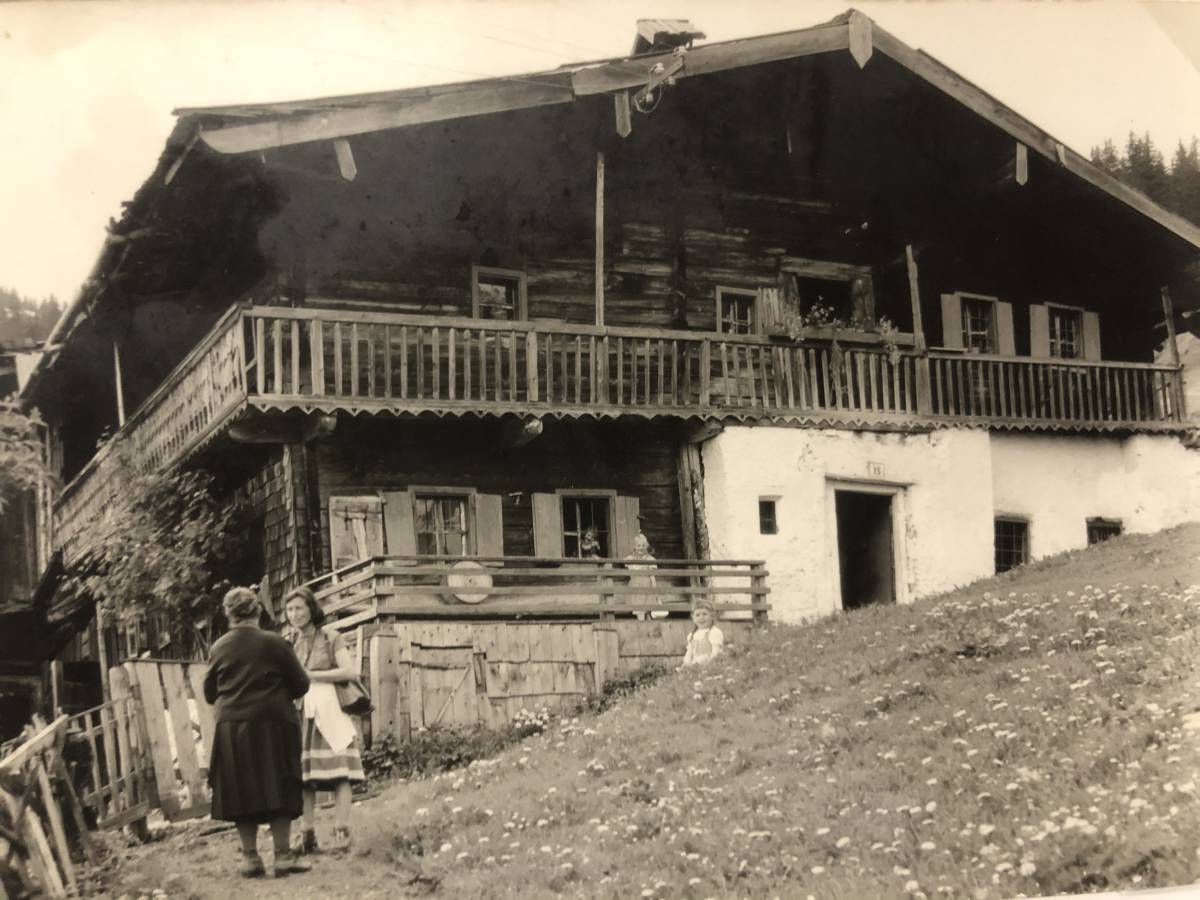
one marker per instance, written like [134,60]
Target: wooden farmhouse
[825,322]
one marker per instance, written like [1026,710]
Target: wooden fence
[35,844]
[112,752]
[431,673]
[178,728]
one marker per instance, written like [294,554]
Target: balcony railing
[277,358]
[438,587]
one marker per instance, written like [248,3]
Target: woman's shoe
[341,840]
[290,862]
[308,842]
[252,866]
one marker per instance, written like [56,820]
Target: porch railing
[438,587]
[1059,390]
[313,358]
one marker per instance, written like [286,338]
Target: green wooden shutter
[489,525]
[626,527]
[547,526]
[952,336]
[399,523]
[1091,336]
[1039,331]
[1005,343]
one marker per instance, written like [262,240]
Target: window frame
[826,270]
[964,298]
[417,492]
[516,275]
[598,493]
[1010,519]
[1078,312]
[774,517]
[754,297]
[1102,522]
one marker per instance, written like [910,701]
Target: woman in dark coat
[253,678]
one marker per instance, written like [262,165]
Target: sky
[87,88]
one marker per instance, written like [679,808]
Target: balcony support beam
[1173,349]
[599,238]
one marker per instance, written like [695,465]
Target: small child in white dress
[706,641]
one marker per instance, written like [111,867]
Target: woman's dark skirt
[255,771]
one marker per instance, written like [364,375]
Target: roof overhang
[245,129]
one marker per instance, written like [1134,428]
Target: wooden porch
[436,587]
[310,359]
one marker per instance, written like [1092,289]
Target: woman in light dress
[330,759]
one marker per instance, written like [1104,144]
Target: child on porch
[706,641]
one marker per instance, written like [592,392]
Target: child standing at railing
[706,641]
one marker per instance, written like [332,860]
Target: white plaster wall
[1149,482]
[944,485]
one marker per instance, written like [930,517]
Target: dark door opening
[865,557]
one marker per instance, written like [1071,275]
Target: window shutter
[1006,345]
[770,309]
[489,525]
[952,321]
[626,527]
[355,529]
[398,522]
[1039,331]
[547,526]
[1091,336]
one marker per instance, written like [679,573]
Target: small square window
[1099,530]
[768,521]
[586,532]
[1066,332]
[1011,544]
[736,311]
[498,294]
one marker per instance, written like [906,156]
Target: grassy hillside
[1020,735]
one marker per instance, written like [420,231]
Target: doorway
[866,556]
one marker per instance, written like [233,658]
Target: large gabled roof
[258,127]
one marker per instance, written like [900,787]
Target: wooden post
[102,654]
[924,400]
[686,513]
[600,238]
[120,389]
[758,581]
[1173,348]
[696,478]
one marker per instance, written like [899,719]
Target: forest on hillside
[24,320]
[1141,165]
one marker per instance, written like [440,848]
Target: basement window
[768,520]
[1011,543]
[498,294]
[1099,530]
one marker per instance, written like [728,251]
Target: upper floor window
[498,294]
[978,325]
[443,524]
[1066,332]
[737,311]
[841,290]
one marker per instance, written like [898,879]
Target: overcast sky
[87,89]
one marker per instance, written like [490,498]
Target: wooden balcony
[437,587]
[313,359]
